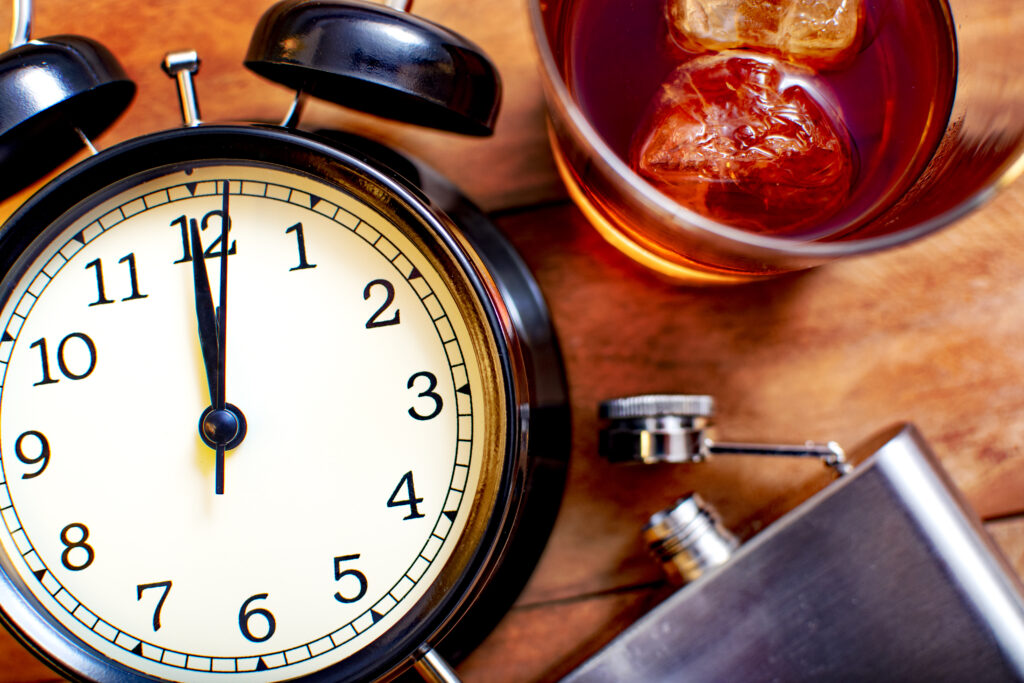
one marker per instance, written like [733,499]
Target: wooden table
[931,333]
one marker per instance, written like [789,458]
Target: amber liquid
[894,97]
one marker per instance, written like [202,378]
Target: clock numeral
[101,294]
[43,457]
[166,585]
[182,222]
[80,544]
[426,393]
[244,617]
[301,239]
[62,362]
[340,573]
[41,345]
[389,297]
[411,500]
[212,251]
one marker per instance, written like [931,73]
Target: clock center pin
[225,427]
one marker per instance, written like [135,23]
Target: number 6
[244,617]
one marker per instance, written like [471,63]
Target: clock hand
[205,313]
[221,425]
[222,328]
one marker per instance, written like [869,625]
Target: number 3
[427,393]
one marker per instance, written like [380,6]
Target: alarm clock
[274,405]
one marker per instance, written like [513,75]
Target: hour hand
[205,313]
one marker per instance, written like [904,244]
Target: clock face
[375,425]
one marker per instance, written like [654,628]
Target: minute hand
[222,308]
[222,335]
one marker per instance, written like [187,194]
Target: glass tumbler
[980,150]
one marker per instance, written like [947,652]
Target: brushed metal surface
[883,575]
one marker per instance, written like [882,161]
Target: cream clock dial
[370,400]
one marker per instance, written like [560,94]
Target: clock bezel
[439,611]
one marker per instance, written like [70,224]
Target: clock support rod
[21,23]
[433,667]
[181,66]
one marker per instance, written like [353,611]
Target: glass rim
[614,166]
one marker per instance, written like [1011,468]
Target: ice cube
[727,135]
[817,33]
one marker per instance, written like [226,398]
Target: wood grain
[929,333]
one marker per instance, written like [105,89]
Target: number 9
[43,457]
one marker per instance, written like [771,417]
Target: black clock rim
[274,146]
